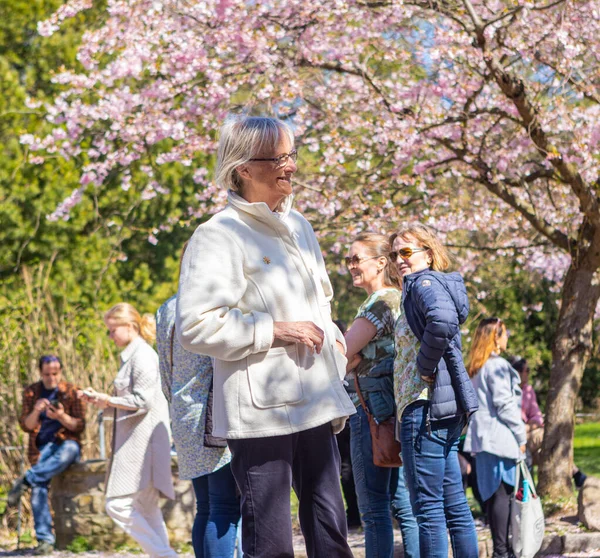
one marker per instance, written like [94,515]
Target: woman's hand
[523,448]
[353,362]
[94,397]
[306,333]
[429,379]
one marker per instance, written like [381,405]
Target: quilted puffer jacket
[436,304]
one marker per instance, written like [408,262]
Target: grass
[587,448]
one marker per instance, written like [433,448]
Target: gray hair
[242,138]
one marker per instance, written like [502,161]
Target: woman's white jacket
[497,427]
[244,269]
[141,444]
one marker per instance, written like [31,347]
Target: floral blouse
[186,386]
[408,385]
[382,309]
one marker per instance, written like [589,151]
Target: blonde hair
[426,237]
[242,138]
[378,246]
[485,342]
[124,313]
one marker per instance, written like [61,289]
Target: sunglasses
[357,260]
[405,253]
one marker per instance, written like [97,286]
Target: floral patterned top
[408,385]
[382,309]
[186,386]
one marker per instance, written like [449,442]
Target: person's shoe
[43,548]
[579,478]
[14,494]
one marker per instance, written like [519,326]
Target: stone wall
[78,504]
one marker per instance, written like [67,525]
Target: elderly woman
[434,395]
[496,434]
[140,465]
[254,294]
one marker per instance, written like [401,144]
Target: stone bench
[77,498]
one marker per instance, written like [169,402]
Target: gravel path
[355,539]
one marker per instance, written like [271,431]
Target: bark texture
[571,351]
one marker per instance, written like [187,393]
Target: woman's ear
[244,172]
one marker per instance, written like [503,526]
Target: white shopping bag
[526,518]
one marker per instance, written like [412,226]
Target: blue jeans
[217,514]
[435,484]
[403,513]
[378,489]
[54,459]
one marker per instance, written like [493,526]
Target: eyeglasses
[405,253]
[357,260]
[282,160]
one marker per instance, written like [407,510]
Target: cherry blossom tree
[479,117]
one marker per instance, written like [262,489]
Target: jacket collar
[63,387]
[261,210]
[131,348]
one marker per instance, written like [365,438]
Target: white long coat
[244,269]
[141,448]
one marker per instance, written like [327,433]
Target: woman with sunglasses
[434,395]
[370,340]
[496,434]
[254,295]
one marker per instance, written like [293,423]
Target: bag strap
[518,476]
[360,395]
[527,475]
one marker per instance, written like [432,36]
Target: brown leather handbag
[386,449]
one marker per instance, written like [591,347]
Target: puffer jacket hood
[435,305]
[454,284]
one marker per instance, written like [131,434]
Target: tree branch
[514,89]
[500,190]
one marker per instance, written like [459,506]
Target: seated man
[54,419]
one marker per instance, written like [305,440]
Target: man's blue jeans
[217,514]
[434,481]
[54,459]
[378,490]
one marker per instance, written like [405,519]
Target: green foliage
[587,448]
[80,544]
[26,537]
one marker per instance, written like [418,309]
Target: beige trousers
[140,517]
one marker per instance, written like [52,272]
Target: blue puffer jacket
[436,304]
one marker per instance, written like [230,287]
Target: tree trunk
[571,351]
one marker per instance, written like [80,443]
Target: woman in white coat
[140,466]
[496,433]
[254,295]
